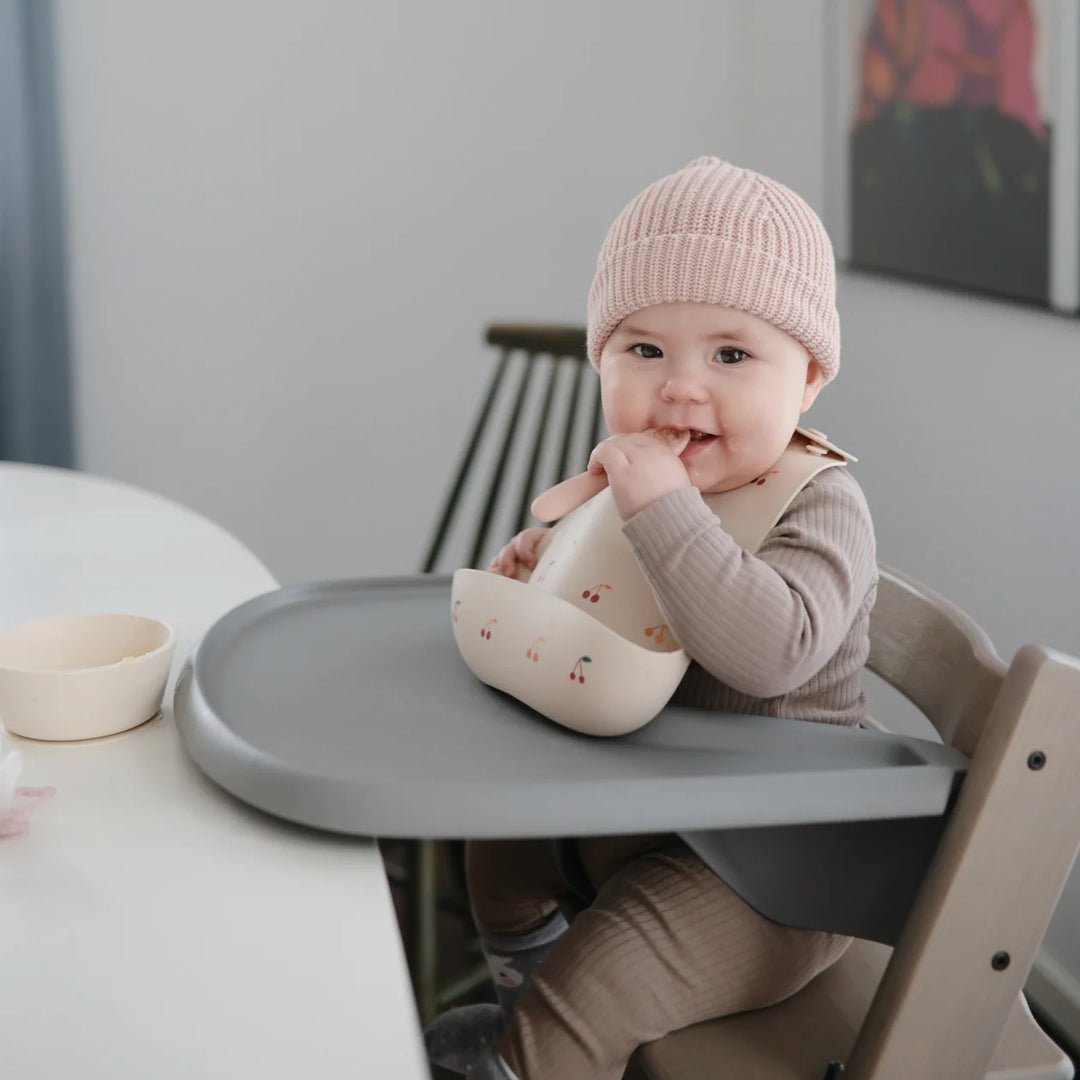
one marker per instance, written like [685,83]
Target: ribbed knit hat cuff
[707,269]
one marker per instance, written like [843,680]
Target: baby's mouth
[698,441]
[673,434]
[683,441]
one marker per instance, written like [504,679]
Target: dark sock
[457,1038]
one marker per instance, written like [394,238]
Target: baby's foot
[457,1038]
[489,1066]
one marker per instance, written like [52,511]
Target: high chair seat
[796,1039]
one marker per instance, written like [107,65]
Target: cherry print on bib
[593,594]
[577,672]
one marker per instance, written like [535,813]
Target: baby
[712,312]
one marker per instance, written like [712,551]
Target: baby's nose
[684,385]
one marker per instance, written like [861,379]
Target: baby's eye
[646,352]
[731,354]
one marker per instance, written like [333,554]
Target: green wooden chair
[538,420]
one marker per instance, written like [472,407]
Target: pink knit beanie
[719,234]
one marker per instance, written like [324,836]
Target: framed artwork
[955,128]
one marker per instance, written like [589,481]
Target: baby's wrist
[632,506]
[672,502]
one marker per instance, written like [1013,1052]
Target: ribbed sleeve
[782,632]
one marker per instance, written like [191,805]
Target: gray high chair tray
[345,706]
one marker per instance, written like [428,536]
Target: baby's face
[737,382]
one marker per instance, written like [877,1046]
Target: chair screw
[1036,759]
[1000,961]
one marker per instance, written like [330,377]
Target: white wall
[289,221]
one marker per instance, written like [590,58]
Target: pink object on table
[17,803]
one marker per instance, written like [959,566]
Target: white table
[152,926]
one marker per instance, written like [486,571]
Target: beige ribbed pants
[665,944]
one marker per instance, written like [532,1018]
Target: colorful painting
[950,142]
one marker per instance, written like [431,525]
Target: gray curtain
[35,405]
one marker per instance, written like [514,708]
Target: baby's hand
[520,552]
[641,468]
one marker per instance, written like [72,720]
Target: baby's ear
[815,380]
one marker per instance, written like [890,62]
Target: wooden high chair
[945,1003]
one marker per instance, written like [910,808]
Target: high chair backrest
[937,656]
[523,439]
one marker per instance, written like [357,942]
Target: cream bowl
[83,676]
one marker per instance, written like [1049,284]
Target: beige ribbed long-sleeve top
[782,632]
